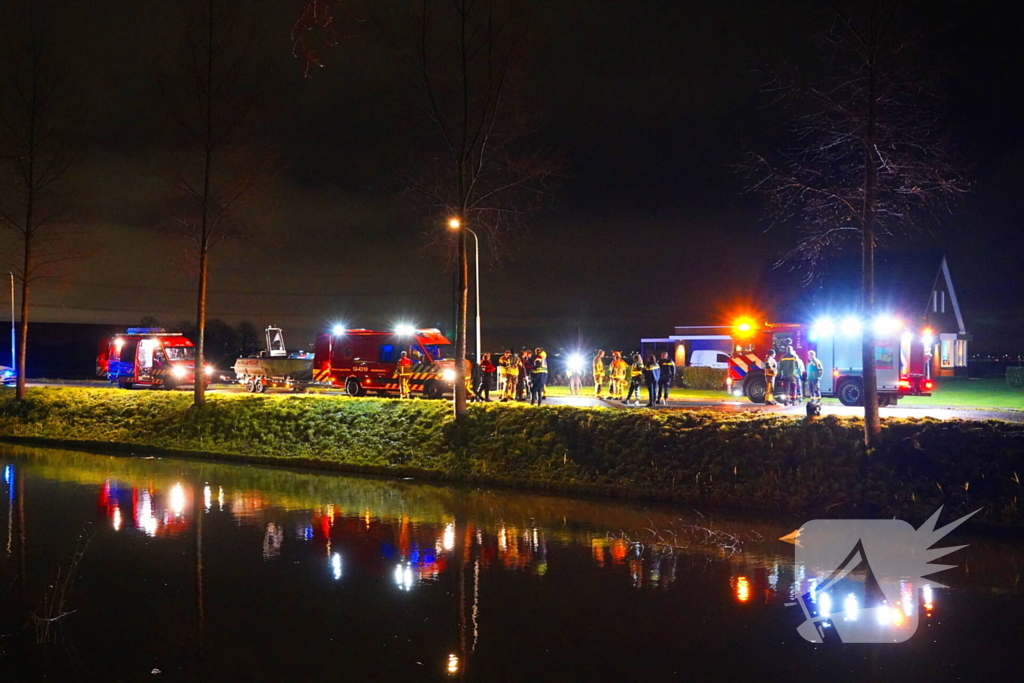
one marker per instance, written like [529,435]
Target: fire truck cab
[149,357]
[901,357]
[366,360]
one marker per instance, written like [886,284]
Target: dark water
[195,571]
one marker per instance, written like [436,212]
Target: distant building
[702,345]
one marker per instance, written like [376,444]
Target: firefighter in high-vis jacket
[403,371]
[503,363]
[771,369]
[617,370]
[636,379]
[513,366]
[599,372]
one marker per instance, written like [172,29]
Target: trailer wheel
[249,386]
[258,386]
[353,389]
[851,392]
[756,389]
[433,390]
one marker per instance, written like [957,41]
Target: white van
[709,359]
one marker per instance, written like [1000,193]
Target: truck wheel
[258,387]
[124,383]
[352,387]
[756,389]
[433,390]
[249,386]
[851,393]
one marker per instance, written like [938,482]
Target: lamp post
[456,224]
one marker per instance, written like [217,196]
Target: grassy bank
[741,461]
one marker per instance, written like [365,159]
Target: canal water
[158,569]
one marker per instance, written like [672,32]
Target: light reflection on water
[474,546]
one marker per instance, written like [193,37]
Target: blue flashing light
[147,330]
[7,474]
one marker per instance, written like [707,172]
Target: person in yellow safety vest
[636,379]
[512,368]
[503,362]
[539,376]
[617,384]
[771,368]
[403,370]
[599,372]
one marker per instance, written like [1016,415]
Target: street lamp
[456,224]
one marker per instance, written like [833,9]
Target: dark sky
[647,102]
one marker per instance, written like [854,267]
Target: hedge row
[744,461]
[691,377]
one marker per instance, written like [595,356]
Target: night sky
[648,103]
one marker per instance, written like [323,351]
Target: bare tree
[477,171]
[212,100]
[36,150]
[870,158]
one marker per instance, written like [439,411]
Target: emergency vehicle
[366,360]
[149,357]
[901,357]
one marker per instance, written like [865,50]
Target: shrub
[702,378]
[1015,377]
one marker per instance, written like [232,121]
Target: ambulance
[364,361]
[149,357]
[902,356]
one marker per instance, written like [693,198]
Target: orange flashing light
[743,327]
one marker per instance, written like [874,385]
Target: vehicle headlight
[179,371]
[208,370]
[448,375]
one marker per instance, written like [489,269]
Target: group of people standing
[625,380]
[785,377]
[524,377]
[515,377]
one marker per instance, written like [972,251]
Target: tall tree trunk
[23,334]
[29,229]
[199,375]
[199,390]
[872,422]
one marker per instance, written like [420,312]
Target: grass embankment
[742,461]
[986,393]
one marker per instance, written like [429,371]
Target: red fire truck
[149,357]
[901,357]
[365,360]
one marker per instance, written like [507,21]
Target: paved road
[725,405]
